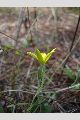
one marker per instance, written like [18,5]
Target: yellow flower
[41,57]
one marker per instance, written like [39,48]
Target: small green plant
[73,76]
[77,77]
[69,73]
[7,47]
[42,58]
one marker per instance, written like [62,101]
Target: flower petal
[39,56]
[32,54]
[49,54]
[43,56]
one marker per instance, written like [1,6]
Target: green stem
[41,74]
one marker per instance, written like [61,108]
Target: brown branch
[20,20]
[63,89]
[67,57]
[7,36]
[28,72]
[75,33]
[17,90]
[29,22]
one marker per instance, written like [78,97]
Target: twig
[62,90]
[8,36]
[60,107]
[20,20]
[54,13]
[67,57]
[35,16]
[29,22]
[28,72]
[71,45]
[75,33]
[17,90]
[31,27]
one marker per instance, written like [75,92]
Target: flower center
[43,56]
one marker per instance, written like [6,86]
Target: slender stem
[75,33]
[75,87]
[41,75]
